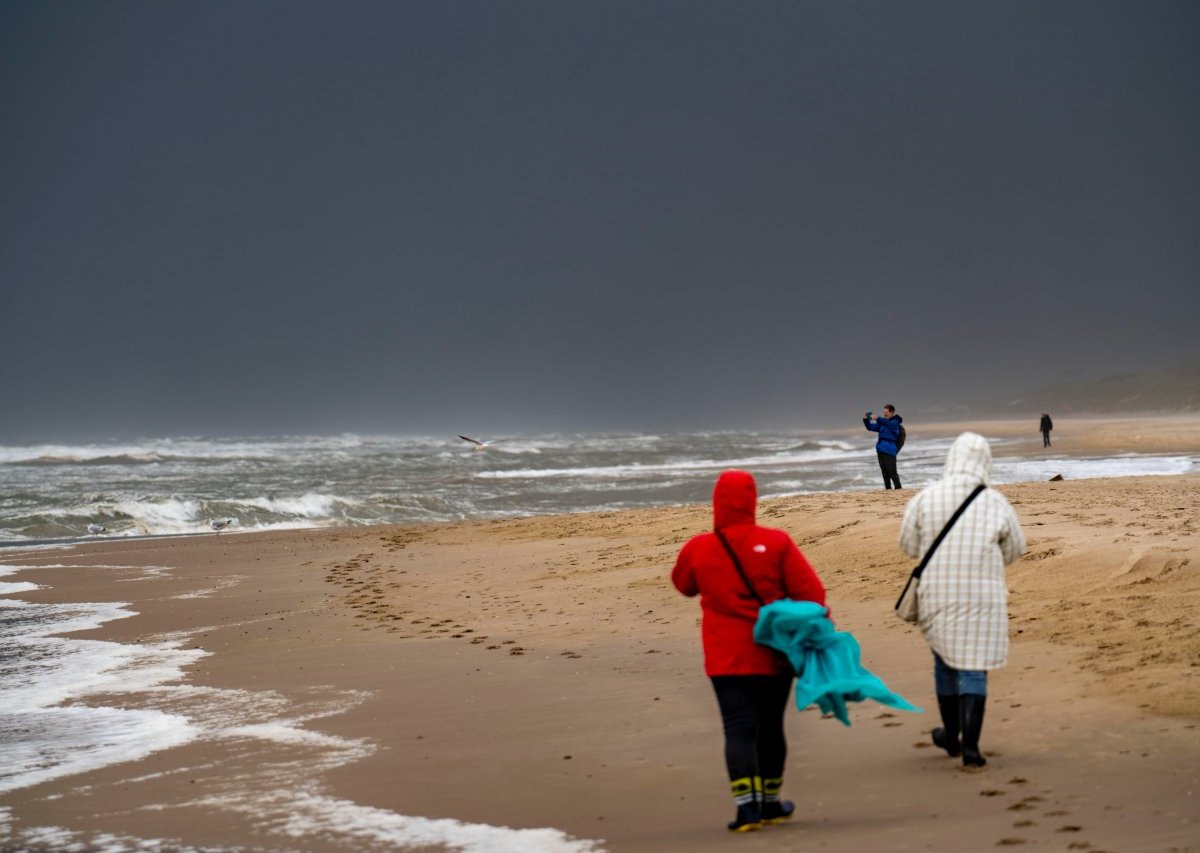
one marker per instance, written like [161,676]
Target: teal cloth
[827,662]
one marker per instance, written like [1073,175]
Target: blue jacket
[826,661]
[889,431]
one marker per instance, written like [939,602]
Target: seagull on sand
[479,445]
[218,526]
[97,529]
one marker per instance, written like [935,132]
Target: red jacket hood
[734,499]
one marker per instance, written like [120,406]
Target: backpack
[900,438]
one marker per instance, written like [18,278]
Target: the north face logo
[759,549]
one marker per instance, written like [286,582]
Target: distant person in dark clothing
[1045,427]
[888,427]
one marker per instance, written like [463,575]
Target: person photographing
[888,425]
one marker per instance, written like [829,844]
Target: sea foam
[41,739]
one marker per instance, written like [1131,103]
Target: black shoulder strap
[921,568]
[738,565]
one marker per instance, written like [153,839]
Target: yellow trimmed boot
[774,809]
[747,793]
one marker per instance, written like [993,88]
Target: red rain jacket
[771,560]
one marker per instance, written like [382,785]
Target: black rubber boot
[972,724]
[777,811]
[947,736]
[749,818]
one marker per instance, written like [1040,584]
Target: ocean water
[58,714]
[178,485]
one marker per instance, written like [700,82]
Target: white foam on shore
[64,840]
[920,466]
[286,732]
[274,801]
[1015,470]
[11,588]
[308,814]
[11,568]
[57,742]
[40,739]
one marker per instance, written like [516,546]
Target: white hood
[970,456]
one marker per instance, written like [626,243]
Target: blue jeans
[949,681]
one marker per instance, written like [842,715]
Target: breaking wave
[180,485]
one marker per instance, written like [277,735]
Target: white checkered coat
[963,600]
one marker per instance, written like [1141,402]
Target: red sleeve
[800,581]
[684,573]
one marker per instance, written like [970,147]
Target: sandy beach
[543,673]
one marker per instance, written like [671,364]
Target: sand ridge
[1109,571]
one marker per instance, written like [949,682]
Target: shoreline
[1076,439]
[444,670]
[394,481]
[1073,435]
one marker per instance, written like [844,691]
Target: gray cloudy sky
[496,217]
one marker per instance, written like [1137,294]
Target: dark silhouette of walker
[1045,427]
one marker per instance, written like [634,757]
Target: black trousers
[752,708]
[1045,438]
[887,465]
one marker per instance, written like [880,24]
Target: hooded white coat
[962,596]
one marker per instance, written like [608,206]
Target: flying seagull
[97,529]
[218,526]
[479,445]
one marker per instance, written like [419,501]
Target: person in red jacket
[752,682]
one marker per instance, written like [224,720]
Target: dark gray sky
[499,217]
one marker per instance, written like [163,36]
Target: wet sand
[543,673]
